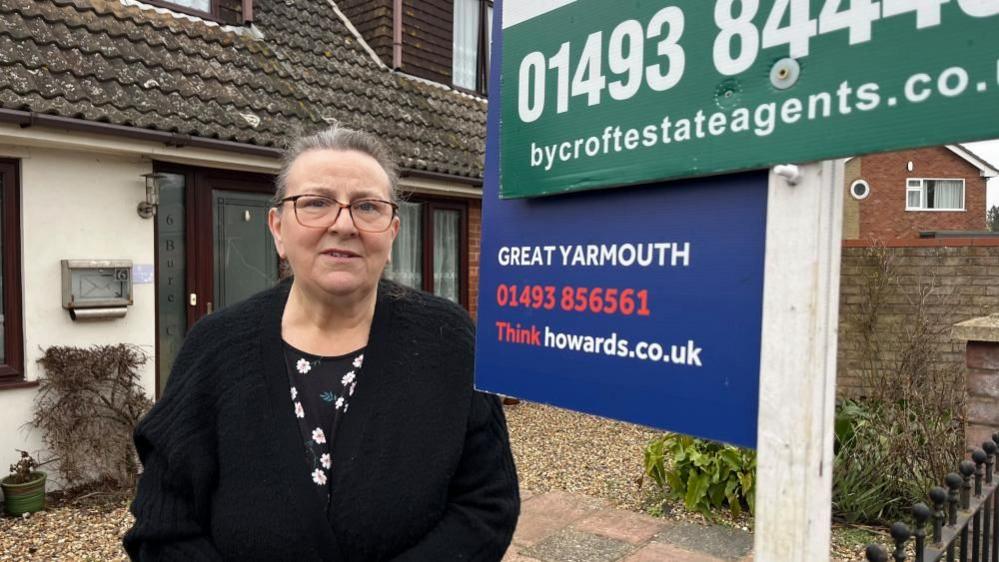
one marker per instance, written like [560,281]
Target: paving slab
[570,545]
[726,543]
[545,514]
[662,552]
[622,525]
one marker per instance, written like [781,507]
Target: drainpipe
[397,34]
[247,11]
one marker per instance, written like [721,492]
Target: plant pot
[24,498]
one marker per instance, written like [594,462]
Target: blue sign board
[642,304]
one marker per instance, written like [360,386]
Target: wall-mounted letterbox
[96,289]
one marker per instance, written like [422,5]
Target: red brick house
[898,195]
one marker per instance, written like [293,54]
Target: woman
[333,416]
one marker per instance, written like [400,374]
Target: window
[231,12]
[860,190]
[11,349]
[196,5]
[431,250]
[934,194]
[472,39]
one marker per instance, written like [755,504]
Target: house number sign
[601,93]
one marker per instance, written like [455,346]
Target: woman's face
[339,260]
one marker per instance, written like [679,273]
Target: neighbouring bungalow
[145,135]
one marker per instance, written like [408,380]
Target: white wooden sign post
[803,214]
[798,364]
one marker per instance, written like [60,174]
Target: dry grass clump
[88,404]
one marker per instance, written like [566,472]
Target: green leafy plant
[705,475]
[860,490]
[875,478]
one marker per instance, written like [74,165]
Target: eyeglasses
[316,211]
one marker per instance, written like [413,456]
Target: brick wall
[426,33]
[983,391]
[963,274]
[474,248]
[882,213]
[373,20]
[426,40]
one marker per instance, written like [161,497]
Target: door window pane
[407,250]
[465,43]
[171,272]
[245,259]
[447,253]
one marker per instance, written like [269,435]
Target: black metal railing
[964,518]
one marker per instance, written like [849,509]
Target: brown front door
[212,249]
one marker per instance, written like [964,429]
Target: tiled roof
[105,61]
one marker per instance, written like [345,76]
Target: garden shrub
[705,475]
[88,404]
[907,432]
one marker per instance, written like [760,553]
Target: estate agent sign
[642,304]
[599,93]
[706,306]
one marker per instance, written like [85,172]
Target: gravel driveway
[557,449]
[554,450]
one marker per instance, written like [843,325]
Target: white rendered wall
[75,205]
[79,193]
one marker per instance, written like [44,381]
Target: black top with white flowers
[321,390]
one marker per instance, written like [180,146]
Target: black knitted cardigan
[422,466]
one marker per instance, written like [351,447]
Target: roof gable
[986,169]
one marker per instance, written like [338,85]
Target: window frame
[921,189]
[867,192]
[428,205]
[210,16]
[12,369]
[482,53]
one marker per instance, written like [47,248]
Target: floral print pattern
[318,436]
[321,389]
[303,366]
[319,477]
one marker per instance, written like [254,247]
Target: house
[899,195]
[150,132]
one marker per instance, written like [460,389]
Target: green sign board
[602,93]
